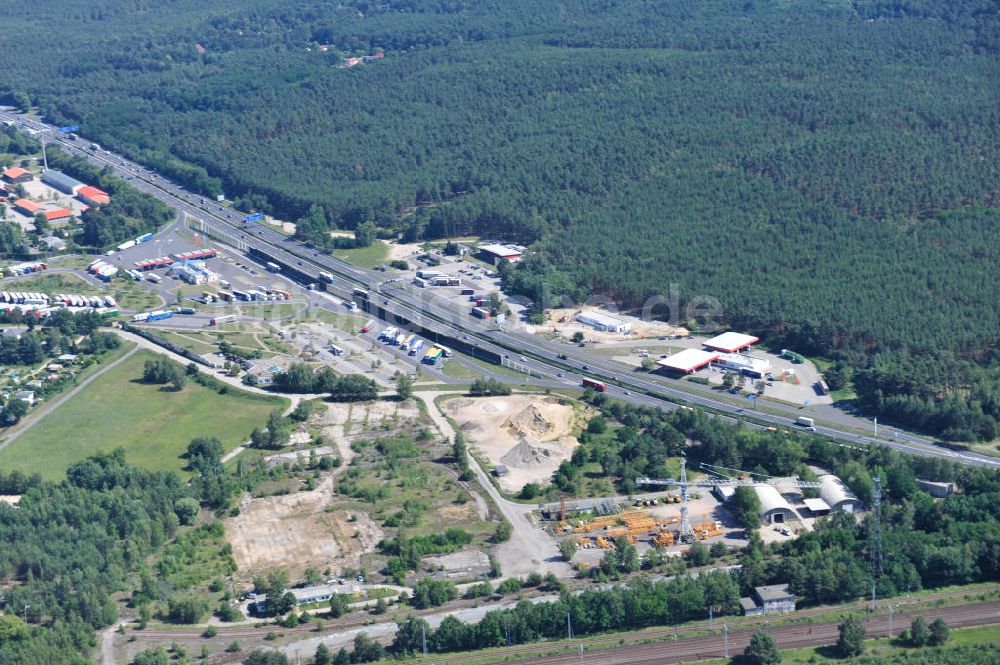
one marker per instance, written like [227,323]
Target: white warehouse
[604,322]
[773,507]
[836,495]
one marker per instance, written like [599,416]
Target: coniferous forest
[827,170]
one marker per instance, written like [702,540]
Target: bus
[596,385]
[336,350]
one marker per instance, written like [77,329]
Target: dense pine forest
[827,170]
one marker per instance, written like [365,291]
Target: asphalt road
[540,356]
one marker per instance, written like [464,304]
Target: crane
[686,531]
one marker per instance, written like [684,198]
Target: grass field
[154,426]
[365,257]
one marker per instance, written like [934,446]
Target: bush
[186,609]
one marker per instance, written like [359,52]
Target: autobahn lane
[539,355]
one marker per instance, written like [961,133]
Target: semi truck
[808,423]
[480,313]
[406,342]
[326,277]
[417,346]
[368,326]
[432,356]
[599,386]
[273,267]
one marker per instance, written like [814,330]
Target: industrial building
[743,364]
[58,215]
[604,322]
[93,196]
[836,495]
[16,174]
[27,207]
[688,361]
[497,253]
[62,182]
[939,490]
[773,507]
[308,595]
[771,599]
[730,342]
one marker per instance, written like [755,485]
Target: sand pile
[528,422]
[527,454]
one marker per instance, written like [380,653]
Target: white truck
[807,423]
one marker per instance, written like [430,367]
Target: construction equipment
[687,532]
[664,539]
[603,544]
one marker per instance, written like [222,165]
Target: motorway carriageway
[540,355]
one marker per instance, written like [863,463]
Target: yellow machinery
[602,543]
[664,539]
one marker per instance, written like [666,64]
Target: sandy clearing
[529,434]
[563,322]
[293,532]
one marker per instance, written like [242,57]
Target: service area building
[730,342]
[687,361]
[497,253]
[743,364]
[604,322]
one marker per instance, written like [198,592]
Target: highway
[557,365]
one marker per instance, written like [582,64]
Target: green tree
[762,650]
[322,656]
[851,640]
[266,658]
[409,636]
[503,532]
[919,635]
[186,509]
[404,386]
[14,410]
[577,337]
[567,548]
[698,554]
[354,388]
[155,656]
[186,608]
[365,234]
[746,505]
[939,632]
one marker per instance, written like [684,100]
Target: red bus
[596,385]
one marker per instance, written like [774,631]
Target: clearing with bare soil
[563,322]
[528,434]
[293,532]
